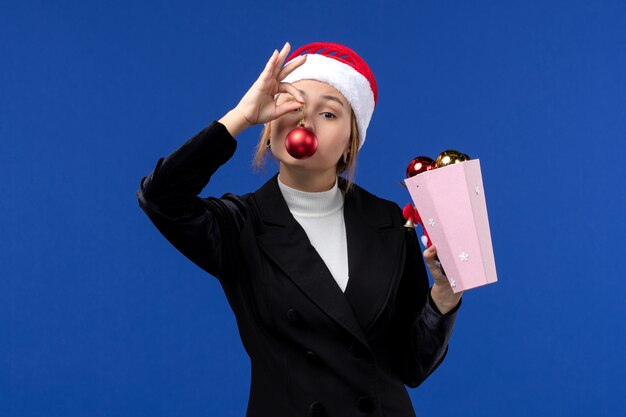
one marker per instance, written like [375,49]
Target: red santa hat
[340,67]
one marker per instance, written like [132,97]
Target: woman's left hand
[442,294]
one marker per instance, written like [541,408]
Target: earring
[267,145]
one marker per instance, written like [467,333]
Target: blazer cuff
[222,130]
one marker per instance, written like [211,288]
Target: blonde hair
[349,167]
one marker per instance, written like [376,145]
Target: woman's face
[327,113]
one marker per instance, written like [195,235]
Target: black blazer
[314,350]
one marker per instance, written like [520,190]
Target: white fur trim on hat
[348,81]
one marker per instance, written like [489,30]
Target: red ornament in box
[418,165]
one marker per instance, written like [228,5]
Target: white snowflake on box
[463,256]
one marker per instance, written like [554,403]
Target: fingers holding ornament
[291,89]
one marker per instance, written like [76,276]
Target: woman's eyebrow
[333,98]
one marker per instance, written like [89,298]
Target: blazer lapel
[286,243]
[375,250]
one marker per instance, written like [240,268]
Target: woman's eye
[329,115]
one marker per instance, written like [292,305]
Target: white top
[321,216]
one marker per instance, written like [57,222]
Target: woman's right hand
[258,104]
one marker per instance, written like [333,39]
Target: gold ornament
[449,157]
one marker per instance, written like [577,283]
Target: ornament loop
[301,123]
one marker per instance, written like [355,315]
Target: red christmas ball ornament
[418,165]
[301,143]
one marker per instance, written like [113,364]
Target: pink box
[451,202]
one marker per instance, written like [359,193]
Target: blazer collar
[274,209]
[375,255]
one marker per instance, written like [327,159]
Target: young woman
[328,287]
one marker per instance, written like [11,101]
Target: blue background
[101,316]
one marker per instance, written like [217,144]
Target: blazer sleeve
[205,230]
[424,332]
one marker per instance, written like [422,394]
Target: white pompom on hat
[340,67]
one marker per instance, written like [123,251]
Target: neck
[305,180]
